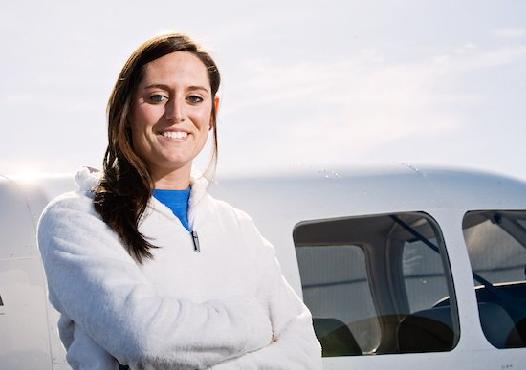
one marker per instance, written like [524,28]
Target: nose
[174,109]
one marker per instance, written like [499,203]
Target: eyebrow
[166,87]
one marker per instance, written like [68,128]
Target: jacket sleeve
[94,281]
[295,346]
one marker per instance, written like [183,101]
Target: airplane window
[377,284]
[333,293]
[496,242]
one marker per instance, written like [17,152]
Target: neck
[172,179]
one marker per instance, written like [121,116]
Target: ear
[216,107]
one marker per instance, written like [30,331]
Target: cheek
[202,116]
[145,115]
[141,121]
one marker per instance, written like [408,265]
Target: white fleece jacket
[225,307]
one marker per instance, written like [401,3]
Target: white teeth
[180,135]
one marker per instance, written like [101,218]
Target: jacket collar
[87,178]
[198,190]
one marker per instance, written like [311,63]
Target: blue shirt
[177,201]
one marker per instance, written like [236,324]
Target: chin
[173,165]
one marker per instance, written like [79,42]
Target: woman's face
[171,114]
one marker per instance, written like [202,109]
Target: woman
[140,282]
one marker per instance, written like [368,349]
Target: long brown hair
[126,185]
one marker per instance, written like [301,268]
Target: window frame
[481,290]
[391,270]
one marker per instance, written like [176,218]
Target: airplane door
[496,244]
[381,292]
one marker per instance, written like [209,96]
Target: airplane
[401,266]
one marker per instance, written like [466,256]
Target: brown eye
[194,99]
[157,98]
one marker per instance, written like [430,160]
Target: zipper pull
[195,239]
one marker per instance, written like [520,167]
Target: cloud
[470,57]
[510,33]
[336,111]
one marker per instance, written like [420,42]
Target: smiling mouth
[174,135]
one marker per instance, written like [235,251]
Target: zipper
[164,210]
[195,240]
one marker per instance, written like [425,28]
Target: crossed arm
[119,315]
[93,281]
[294,346]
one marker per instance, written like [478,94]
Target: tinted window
[377,284]
[496,242]
[340,294]
[423,273]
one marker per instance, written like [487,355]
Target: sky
[304,84]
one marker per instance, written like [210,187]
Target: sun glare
[30,175]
